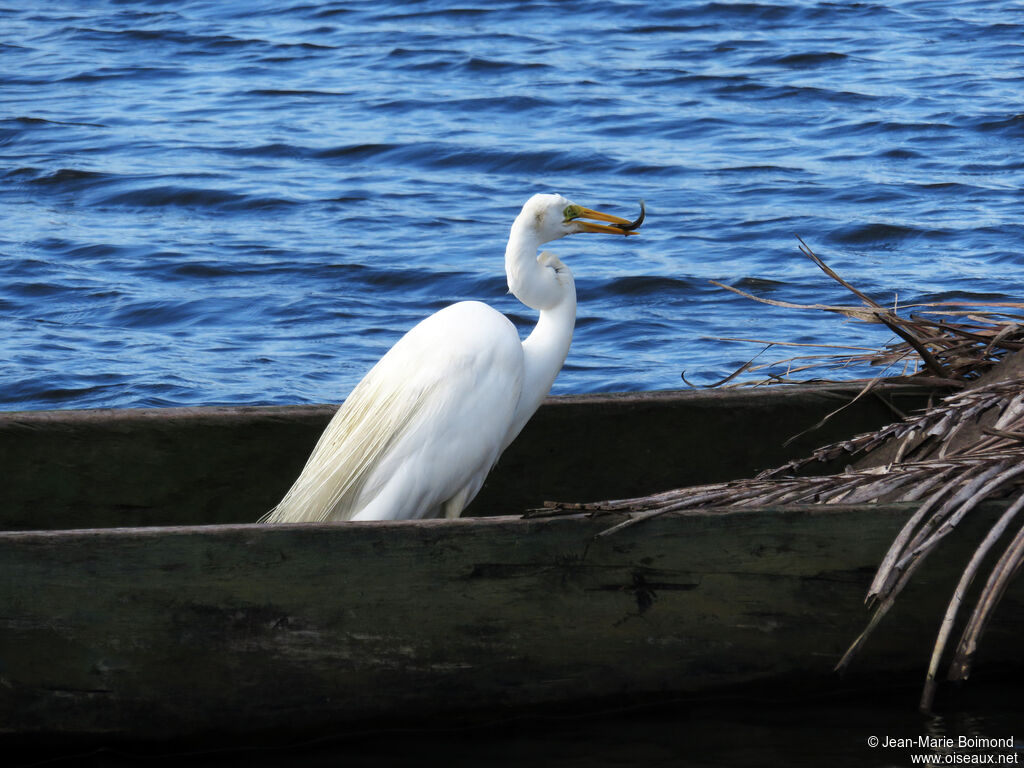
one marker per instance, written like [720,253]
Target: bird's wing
[352,442]
[426,422]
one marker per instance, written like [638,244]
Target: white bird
[421,431]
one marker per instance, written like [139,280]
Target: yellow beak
[620,226]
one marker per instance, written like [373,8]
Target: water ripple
[249,202]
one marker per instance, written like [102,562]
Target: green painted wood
[176,632]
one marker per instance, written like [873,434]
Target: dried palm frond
[949,459]
[944,340]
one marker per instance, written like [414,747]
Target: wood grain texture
[171,632]
[197,466]
[121,615]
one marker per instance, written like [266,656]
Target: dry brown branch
[960,665]
[950,341]
[939,461]
[947,459]
[998,580]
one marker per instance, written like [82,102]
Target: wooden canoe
[139,600]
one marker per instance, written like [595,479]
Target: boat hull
[180,630]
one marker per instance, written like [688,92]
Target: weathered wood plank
[169,632]
[195,466]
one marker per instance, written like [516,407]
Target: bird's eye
[572,212]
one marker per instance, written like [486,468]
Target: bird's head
[553,216]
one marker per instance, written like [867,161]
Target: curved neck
[544,352]
[528,280]
[548,287]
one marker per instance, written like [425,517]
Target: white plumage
[418,435]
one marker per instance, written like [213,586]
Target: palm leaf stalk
[948,459]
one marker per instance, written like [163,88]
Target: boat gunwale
[224,412]
[781,512]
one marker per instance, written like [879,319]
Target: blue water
[249,202]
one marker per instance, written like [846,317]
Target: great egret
[420,432]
